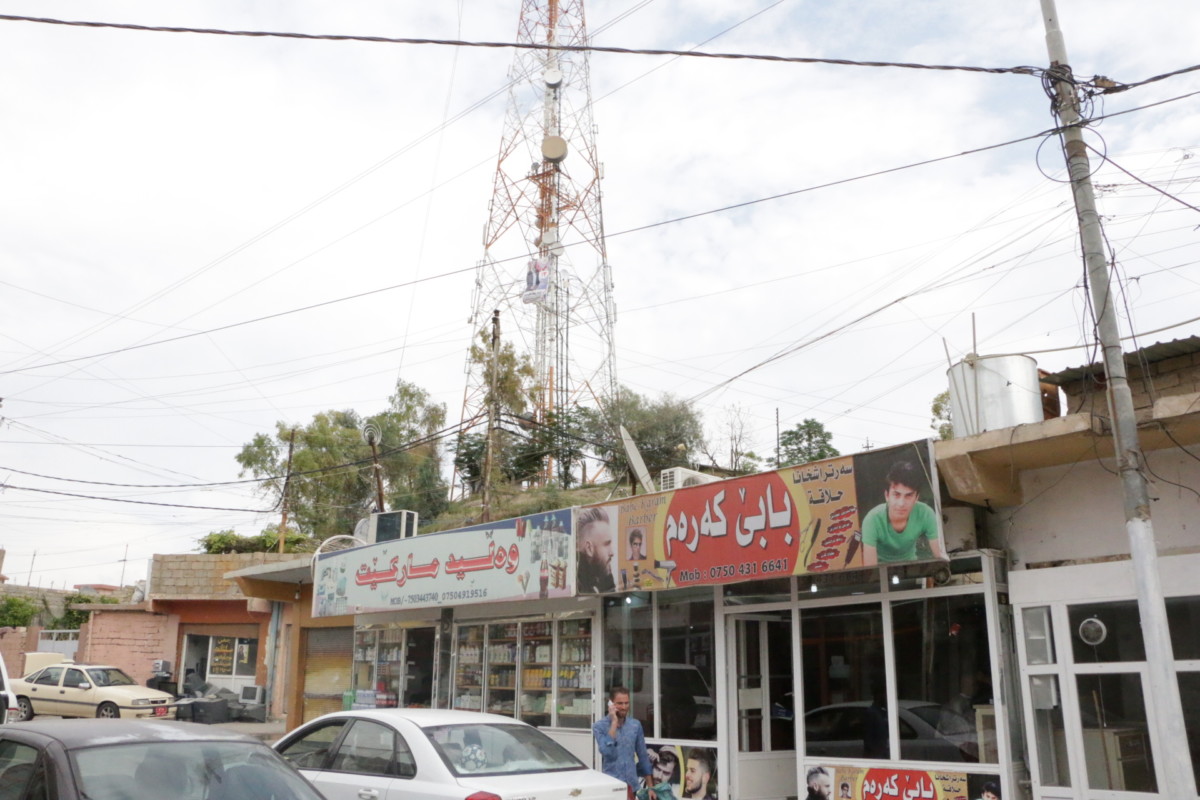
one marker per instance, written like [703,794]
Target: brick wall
[202,576]
[131,640]
[14,644]
[1171,376]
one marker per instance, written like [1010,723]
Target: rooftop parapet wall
[1161,370]
[202,576]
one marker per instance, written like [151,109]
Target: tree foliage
[943,420]
[508,380]
[730,447]
[668,431]
[17,612]
[73,619]
[333,485]
[227,541]
[805,442]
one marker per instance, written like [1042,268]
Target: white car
[434,754]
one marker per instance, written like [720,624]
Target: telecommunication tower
[544,264]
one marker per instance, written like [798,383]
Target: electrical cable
[1022,70]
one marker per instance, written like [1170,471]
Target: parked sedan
[859,730]
[78,690]
[432,754]
[109,759]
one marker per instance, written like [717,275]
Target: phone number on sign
[769,566]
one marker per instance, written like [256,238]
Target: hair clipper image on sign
[843,513]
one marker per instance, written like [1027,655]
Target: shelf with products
[469,674]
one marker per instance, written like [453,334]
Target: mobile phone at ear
[611,706]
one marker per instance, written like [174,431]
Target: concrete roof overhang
[277,581]
[985,469]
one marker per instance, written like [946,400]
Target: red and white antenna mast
[544,262]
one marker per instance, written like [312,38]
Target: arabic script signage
[885,783]
[515,559]
[843,513]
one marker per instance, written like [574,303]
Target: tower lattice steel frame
[544,264]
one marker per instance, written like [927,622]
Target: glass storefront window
[629,650]
[1050,736]
[932,575]
[1116,737]
[1039,636]
[845,693]
[775,590]
[1106,632]
[1189,692]
[838,584]
[686,664]
[1183,619]
[943,679]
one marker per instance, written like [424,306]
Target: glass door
[763,704]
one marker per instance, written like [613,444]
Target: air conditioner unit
[391,525]
[679,477]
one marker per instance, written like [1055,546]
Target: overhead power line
[627,231]
[340,37]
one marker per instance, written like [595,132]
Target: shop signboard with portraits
[843,513]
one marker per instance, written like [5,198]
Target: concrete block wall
[1171,376]
[202,576]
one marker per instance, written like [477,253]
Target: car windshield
[188,771]
[108,676]
[498,749]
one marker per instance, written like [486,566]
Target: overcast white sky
[153,185]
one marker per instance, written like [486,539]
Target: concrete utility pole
[287,482]
[493,411]
[1172,754]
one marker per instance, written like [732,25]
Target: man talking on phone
[621,742]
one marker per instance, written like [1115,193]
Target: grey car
[116,759]
[928,732]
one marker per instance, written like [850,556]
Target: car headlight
[142,701]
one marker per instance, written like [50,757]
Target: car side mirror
[84,685]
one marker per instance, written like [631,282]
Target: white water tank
[988,393]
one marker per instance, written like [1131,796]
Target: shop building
[764,654]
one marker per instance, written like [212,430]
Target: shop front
[772,644]
[1083,667]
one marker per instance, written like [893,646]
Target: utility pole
[1163,696]
[493,409]
[287,482]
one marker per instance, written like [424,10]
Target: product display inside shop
[538,671]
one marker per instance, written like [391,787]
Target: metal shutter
[328,656]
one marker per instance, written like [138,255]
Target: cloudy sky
[158,185]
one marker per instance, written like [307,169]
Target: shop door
[764,725]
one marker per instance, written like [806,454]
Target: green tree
[333,485]
[227,541]
[17,612]
[73,619]
[808,441]
[943,420]
[668,431]
[508,384]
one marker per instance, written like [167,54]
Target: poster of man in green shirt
[892,530]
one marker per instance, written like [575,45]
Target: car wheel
[26,709]
[108,711]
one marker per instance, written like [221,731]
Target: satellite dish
[635,461]
[1092,631]
[361,528]
[371,433]
[334,544]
